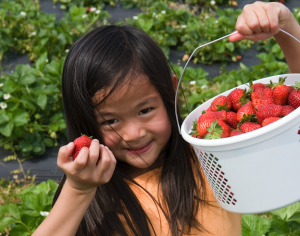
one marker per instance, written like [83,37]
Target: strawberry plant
[26,210]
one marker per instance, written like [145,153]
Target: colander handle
[176,94]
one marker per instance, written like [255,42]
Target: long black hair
[99,60]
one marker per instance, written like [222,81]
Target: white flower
[67,50]
[3,105]
[216,21]
[44,213]
[47,60]
[193,82]
[135,17]
[97,12]
[163,12]
[22,13]
[298,14]
[6,96]
[206,17]
[203,86]
[1,85]
[212,2]
[183,26]
[92,9]
[84,16]
[15,39]
[153,14]
[156,16]
[32,33]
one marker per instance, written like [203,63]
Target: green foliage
[24,217]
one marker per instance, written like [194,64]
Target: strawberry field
[35,37]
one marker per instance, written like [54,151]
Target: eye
[109,122]
[145,111]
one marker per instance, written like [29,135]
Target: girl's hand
[92,167]
[261,20]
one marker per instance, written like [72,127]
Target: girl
[146,180]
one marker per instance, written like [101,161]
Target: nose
[133,131]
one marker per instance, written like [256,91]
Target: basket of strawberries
[247,141]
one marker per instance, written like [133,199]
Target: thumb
[236,37]
[64,154]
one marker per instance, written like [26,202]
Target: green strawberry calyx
[214,131]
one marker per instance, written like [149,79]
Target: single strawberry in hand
[82,141]
[280,92]
[294,97]
[221,103]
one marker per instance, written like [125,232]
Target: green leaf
[7,128]
[19,230]
[25,146]
[31,202]
[41,62]
[253,225]
[10,86]
[48,142]
[289,213]
[42,101]
[14,211]
[27,79]
[230,46]
[280,226]
[3,117]
[20,117]
[5,222]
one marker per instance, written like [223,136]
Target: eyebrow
[141,104]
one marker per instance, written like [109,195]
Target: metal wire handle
[176,94]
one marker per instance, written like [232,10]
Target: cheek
[162,128]
[111,139]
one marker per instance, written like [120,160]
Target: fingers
[106,165]
[64,154]
[258,21]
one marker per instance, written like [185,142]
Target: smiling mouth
[139,150]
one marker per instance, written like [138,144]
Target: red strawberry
[249,126]
[257,86]
[235,133]
[268,110]
[261,96]
[213,115]
[238,97]
[294,97]
[290,88]
[280,92]
[218,129]
[203,125]
[245,110]
[286,110]
[231,119]
[221,103]
[269,120]
[82,141]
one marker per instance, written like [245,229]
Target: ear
[175,81]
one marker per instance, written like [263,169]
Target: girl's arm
[83,176]
[260,21]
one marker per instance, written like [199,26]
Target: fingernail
[106,147]
[101,145]
[69,146]
[96,140]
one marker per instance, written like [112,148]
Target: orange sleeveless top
[214,219]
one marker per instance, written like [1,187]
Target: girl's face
[135,123]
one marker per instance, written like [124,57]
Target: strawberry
[221,103]
[217,129]
[213,115]
[262,96]
[244,111]
[231,119]
[203,125]
[238,97]
[269,120]
[235,133]
[290,88]
[280,92]
[82,141]
[268,110]
[294,97]
[256,86]
[249,126]
[286,110]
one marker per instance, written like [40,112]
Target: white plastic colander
[254,172]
